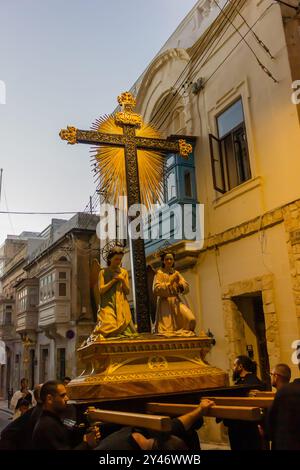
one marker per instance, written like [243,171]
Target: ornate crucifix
[130,121]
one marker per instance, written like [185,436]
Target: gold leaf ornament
[69,134]
[184,148]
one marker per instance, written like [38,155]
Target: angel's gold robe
[114,315]
[173,317]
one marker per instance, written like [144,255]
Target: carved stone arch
[160,102]
[178,120]
[153,87]
[169,113]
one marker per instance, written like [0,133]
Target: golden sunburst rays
[109,164]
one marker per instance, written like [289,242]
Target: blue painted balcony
[176,220]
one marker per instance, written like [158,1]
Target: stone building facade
[14,253]
[51,303]
[231,90]
[225,79]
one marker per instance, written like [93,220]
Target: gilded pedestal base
[146,366]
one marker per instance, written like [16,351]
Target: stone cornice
[262,222]
[245,229]
[186,257]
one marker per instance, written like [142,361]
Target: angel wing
[152,297]
[94,289]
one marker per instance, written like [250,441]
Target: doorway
[60,363]
[254,330]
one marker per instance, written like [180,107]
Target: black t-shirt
[284,418]
[249,379]
[244,435]
[50,434]
[18,434]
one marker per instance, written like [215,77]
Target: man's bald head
[281,375]
[284,371]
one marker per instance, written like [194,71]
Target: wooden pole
[258,393]
[156,423]
[261,402]
[243,413]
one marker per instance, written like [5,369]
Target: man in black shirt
[17,435]
[284,417]
[244,435]
[49,432]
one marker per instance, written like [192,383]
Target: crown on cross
[126,99]
[127,116]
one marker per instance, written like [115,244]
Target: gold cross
[130,121]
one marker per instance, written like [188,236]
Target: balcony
[54,312]
[174,223]
[26,321]
[6,332]
[27,305]
[179,220]
[6,323]
[55,297]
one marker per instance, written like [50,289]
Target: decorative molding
[245,229]
[166,374]
[291,214]
[149,78]
[144,366]
[69,134]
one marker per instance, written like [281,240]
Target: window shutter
[217,166]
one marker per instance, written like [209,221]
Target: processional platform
[145,366]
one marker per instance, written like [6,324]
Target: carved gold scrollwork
[113,366]
[128,118]
[69,134]
[184,148]
[126,99]
[158,373]
[157,363]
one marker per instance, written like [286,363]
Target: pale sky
[65,62]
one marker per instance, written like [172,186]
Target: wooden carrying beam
[244,413]
[258,393]
[261,402]
[156,423]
